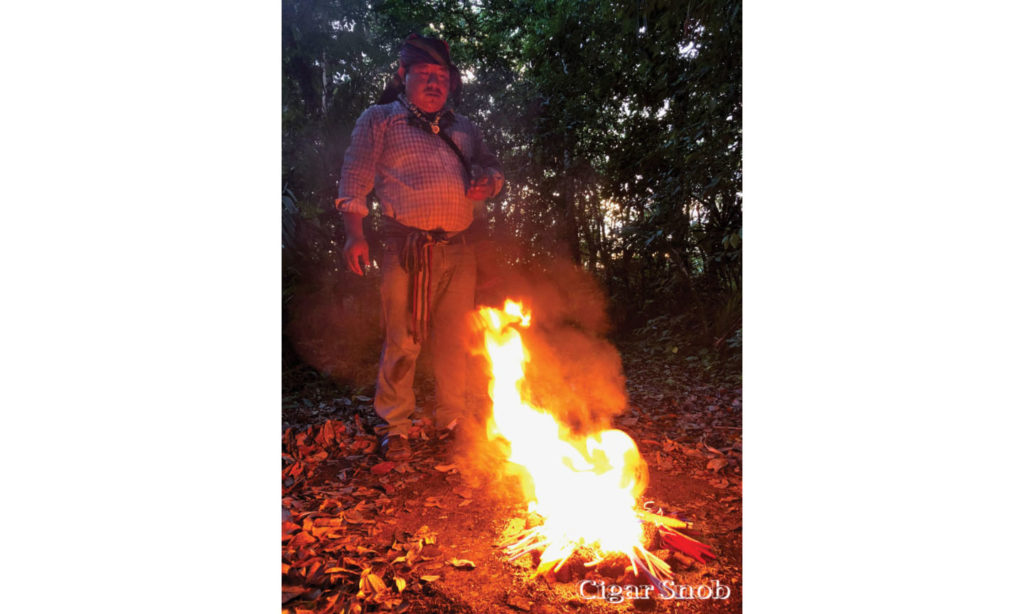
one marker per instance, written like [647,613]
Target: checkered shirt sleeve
[418,179]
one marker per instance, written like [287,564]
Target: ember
[585,487]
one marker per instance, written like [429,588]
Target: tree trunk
[323,83]
[571,233]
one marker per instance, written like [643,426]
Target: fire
[584,486]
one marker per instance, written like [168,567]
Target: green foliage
[619,125]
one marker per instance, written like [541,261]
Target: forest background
[619,128]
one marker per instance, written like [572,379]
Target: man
[430,169]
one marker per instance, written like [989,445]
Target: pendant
[435,128]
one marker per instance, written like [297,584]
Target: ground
[360,534]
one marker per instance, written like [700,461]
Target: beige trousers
[452,290]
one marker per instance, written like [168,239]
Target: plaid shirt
[418,179]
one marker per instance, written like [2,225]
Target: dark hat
[418,49]
[422,49]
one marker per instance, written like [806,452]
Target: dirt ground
[360,534]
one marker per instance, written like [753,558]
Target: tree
[619,125]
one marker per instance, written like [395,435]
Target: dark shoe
[395,448]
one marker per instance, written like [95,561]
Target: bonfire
[586,488]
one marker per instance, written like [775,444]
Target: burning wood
[584,487]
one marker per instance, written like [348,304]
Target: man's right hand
[357,253]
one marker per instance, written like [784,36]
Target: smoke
[333,324]
[574,372]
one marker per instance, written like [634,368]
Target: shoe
[395,448]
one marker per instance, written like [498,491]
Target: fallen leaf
[330,603]
[327,522]
[714,450]
[462,563]
[291,592]
[399,584]
[382,468]
[716,464]
[430,578]
[301,539]
[337,570]
[446,468]
[376,583]
[430,551]
[328,532]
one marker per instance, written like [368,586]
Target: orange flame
[585,487]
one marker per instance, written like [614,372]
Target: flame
[585,487]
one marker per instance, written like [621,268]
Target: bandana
[418,49]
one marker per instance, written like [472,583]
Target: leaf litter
[361,534]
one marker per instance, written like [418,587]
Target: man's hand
[357,254]
[356,251]
[481,188]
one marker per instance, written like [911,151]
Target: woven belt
[416,256]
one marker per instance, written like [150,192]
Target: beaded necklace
[433,123]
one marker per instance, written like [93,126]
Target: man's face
[426,86]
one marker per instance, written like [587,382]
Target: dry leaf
[445,468]
[301,539]
[400,584]
[462,563]
[291,592]
[430,578]
[327,522]
[376,583]
[716,464]
[382,468]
